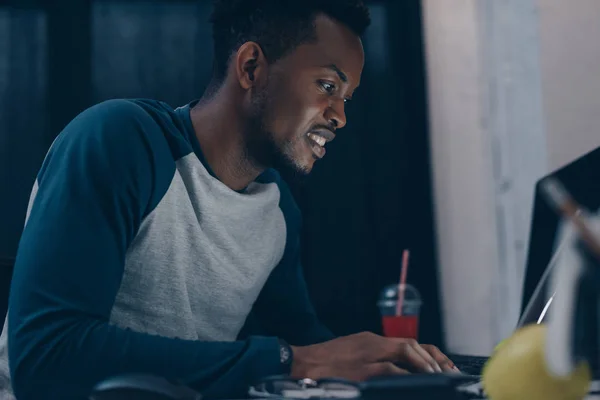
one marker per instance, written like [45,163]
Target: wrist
[297,368]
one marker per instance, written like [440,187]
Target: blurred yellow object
[517,371]
[499,345]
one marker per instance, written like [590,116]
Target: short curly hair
[278,26]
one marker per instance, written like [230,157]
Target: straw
[561,200]
[403,272]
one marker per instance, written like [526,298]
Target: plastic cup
[406,323]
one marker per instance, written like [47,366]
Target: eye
[327,86]
[347,100]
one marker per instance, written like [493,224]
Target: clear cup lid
[390,294]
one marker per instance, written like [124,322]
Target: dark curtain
[23,117]
[365,202]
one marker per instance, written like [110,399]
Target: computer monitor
[581,178]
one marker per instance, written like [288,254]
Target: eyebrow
[338,71]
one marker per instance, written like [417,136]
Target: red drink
[400,320]
[405,326]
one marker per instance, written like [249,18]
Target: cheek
[295,111]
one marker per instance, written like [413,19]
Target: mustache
[328,127]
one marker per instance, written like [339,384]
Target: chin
[295,167]
[294,161]
[304,168]
[304,164]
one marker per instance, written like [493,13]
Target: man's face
[302,104]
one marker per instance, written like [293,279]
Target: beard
[262,148]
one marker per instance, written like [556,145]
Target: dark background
[365,202]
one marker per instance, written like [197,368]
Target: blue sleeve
[284,308]
[105,172]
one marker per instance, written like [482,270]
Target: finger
[446,363]
[410,352]
[447,366]
[442,360]
[428,357]
[416,359]
[383,369]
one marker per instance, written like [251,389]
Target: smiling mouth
[317,143]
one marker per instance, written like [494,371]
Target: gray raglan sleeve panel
[107,170]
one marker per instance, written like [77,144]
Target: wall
[456,147]
[570,60]
[488,149]
[514,93]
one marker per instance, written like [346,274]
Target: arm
[284,308]
[97,183]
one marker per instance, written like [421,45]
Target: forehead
[336,45]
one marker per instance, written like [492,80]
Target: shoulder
[287,203]
[118,110]
[116,140]
[113,116]
[119,128]
[114,122]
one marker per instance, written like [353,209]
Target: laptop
[547,239]
[535,312]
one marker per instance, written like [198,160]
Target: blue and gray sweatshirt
[135,258]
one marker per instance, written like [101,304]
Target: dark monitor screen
[582,179]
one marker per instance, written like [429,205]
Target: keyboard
[470,365]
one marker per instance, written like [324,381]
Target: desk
[474,390]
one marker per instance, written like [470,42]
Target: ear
[250,65]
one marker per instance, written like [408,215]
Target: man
[152,233]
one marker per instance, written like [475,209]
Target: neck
[220,131]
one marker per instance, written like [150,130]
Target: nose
[335,114]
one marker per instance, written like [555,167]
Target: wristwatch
[286,355]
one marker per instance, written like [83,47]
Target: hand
[364,355]
[443,361]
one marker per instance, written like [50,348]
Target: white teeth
[319,139]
